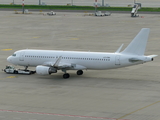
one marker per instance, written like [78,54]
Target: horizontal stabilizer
[152,56]
[135,60]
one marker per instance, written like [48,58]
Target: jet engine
[45,70]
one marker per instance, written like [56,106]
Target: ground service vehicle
[135,9]
[11,70]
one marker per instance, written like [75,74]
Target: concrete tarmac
[130,93]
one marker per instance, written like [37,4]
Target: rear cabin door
[117,60]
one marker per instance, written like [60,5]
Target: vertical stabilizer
[138,44]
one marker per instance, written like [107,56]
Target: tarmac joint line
[37,37]
[74,39]
[6,49]
[8,77]
[11,77]
[137,110]
[64,115]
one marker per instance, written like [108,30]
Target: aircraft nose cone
[9,59]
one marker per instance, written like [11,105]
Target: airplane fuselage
[91,60]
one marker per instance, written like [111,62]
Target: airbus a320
[50,61]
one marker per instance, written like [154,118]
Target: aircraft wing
[72,66]
[48,63]
[54,64]
[63,65]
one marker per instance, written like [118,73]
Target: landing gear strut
[30,72]
[25,67]
[79,72]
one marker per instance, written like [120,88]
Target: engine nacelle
[44,70]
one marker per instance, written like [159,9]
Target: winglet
[119,49]
[57,62]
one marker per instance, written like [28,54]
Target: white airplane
[50,61]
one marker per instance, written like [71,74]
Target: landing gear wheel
[15,72]
[66,75]
[79,72]
[30,73]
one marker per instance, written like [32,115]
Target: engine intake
[44,70]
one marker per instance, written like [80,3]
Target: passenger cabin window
[14,55]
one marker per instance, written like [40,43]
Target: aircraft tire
[66,75]
[132,14]
[79,72]
[15,72]
[30,73]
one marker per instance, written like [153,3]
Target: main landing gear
[66,75]
[79,72]
[26,67]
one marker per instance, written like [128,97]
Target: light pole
[23,6]
[39,2]
[13,2]
[95,6]
[72,2]
[103,3]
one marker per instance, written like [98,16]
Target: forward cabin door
[117,60]
[21,57]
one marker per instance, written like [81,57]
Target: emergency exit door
[21,57]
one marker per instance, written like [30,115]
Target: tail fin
[138,44]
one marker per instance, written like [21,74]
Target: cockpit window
[14,55]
